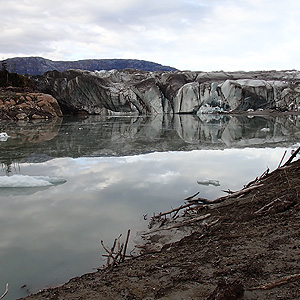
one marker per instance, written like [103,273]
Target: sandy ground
[247,246]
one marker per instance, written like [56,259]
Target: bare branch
[282,159]
[292,157]
[116,255]
[125,248]
[5,292]
[191,197]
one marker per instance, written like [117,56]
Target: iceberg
[209,182]
[207,109]
[24,181]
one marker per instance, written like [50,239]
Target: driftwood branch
[233,195]
[228,191]
[118,253]
[282,158]
[110,254]
[212,223]
[5,292]
[267,206]
[276,283]
[104,247]
[190,221]
[257,179]
[172,211]
[116,256]
[202,202]
[191,197]
[292,157]
[125,248]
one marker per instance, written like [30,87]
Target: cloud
[187,34]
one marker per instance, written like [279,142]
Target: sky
[198,35]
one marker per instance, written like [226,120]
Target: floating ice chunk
[207,109]
[209,182]
[51,179]
[265,130]
[3,136]
[22,181]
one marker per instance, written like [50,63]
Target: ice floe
[24,181]
[209,182]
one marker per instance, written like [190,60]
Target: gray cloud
[187,34]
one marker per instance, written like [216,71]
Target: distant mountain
[40,65]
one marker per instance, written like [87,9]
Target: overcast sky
[186,34]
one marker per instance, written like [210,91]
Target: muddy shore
[247,246]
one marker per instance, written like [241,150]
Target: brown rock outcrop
[27,106]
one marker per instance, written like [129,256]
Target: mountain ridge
[36,65]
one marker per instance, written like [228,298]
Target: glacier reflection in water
[119,136]
[117,170]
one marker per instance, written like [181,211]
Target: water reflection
[117,136]
[117,170]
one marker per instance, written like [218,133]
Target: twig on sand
[118,255]
[276,283]
[5,292]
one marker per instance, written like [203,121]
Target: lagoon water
[109,174]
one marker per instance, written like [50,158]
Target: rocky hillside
[141,92]
[39,65]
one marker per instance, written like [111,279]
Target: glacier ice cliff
[142,93]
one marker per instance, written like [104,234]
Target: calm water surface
[115,172]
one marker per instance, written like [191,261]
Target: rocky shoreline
[241,246]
